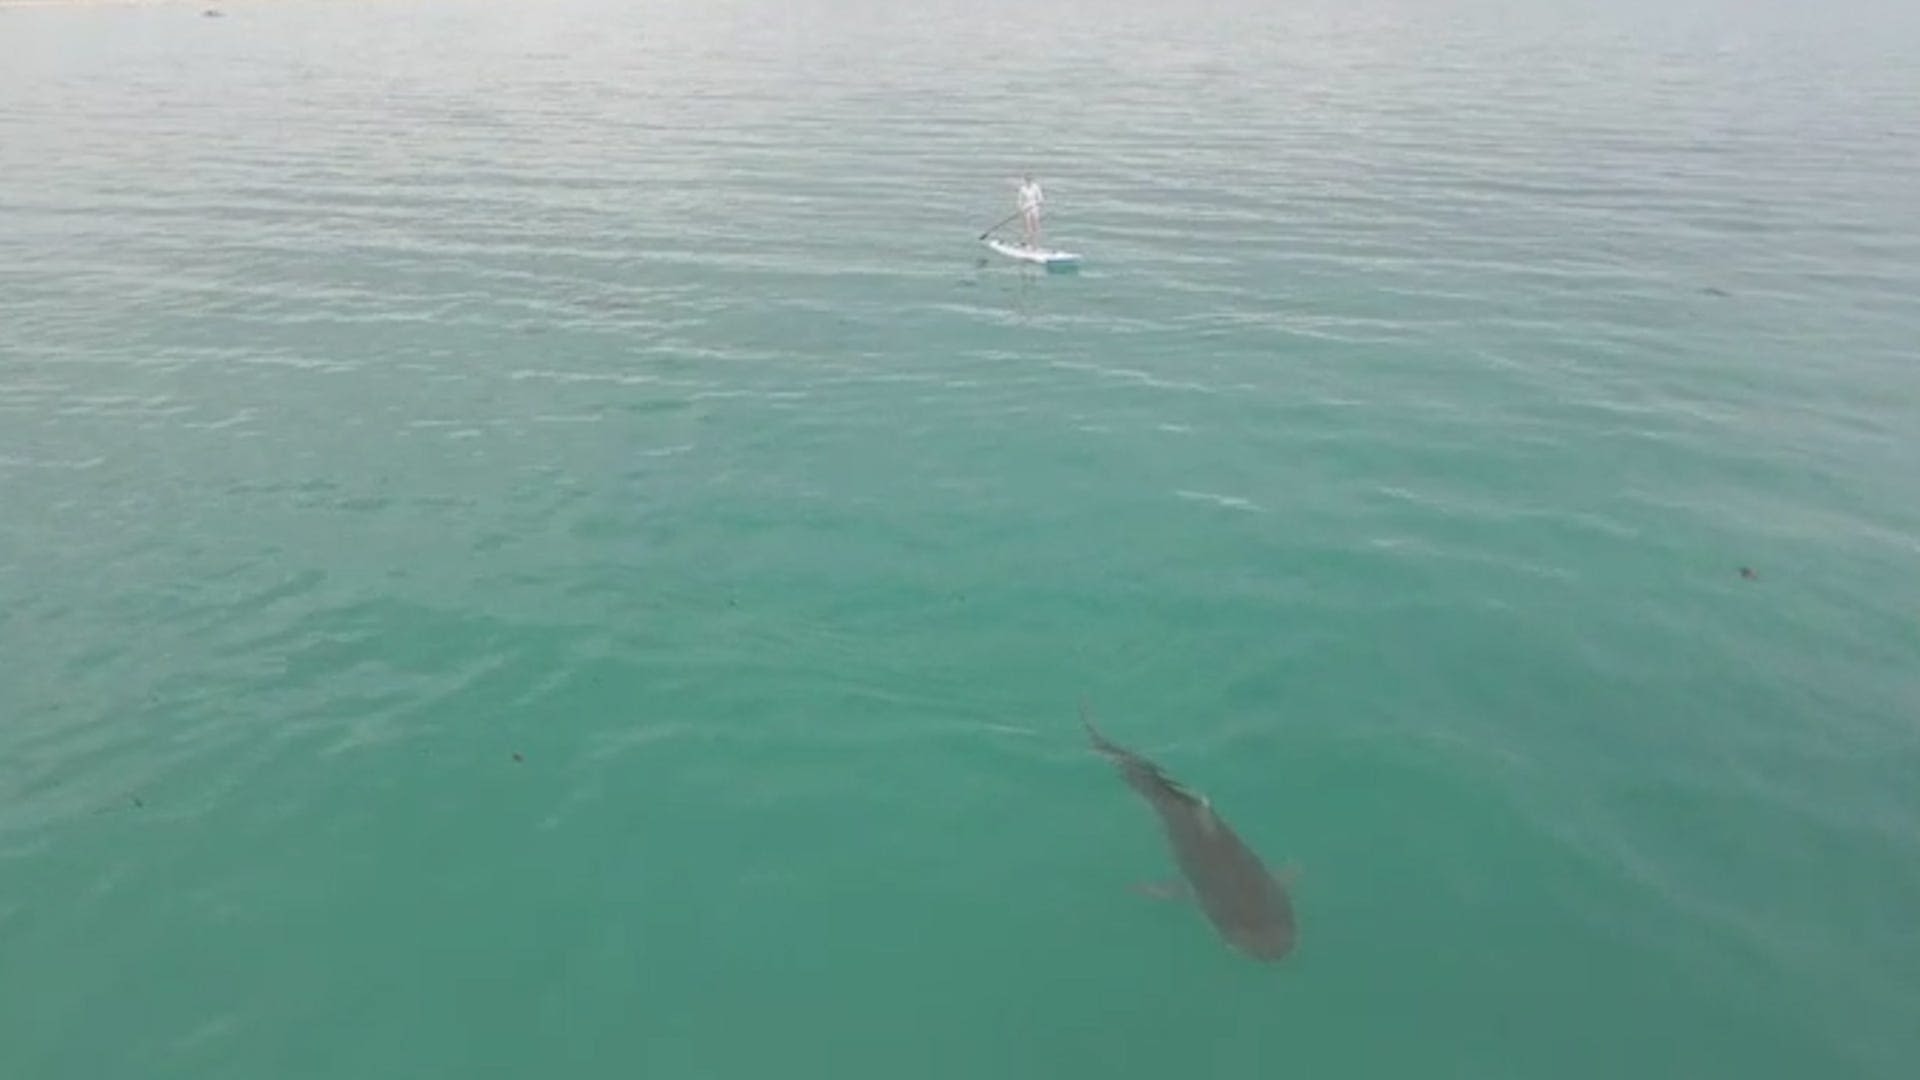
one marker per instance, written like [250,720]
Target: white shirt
[1030,196]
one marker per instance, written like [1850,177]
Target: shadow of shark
[1248,906]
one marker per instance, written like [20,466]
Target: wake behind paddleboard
[1043,256]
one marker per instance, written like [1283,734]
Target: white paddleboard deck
[1043,256]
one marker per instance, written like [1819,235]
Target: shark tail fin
[1144,776]
[1100,742]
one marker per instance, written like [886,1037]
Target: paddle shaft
[1001,222]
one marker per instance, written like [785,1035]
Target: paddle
[1001,222]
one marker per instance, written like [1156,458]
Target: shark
[1248,906]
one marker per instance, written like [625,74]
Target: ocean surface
[535,542]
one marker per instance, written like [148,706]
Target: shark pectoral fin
[1164,890]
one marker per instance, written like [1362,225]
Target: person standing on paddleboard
[1030,198]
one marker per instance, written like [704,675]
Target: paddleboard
[1043,256]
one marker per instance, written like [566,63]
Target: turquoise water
[533,544]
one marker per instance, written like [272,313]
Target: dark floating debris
[517,758]
[1748,573]
[133,803]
